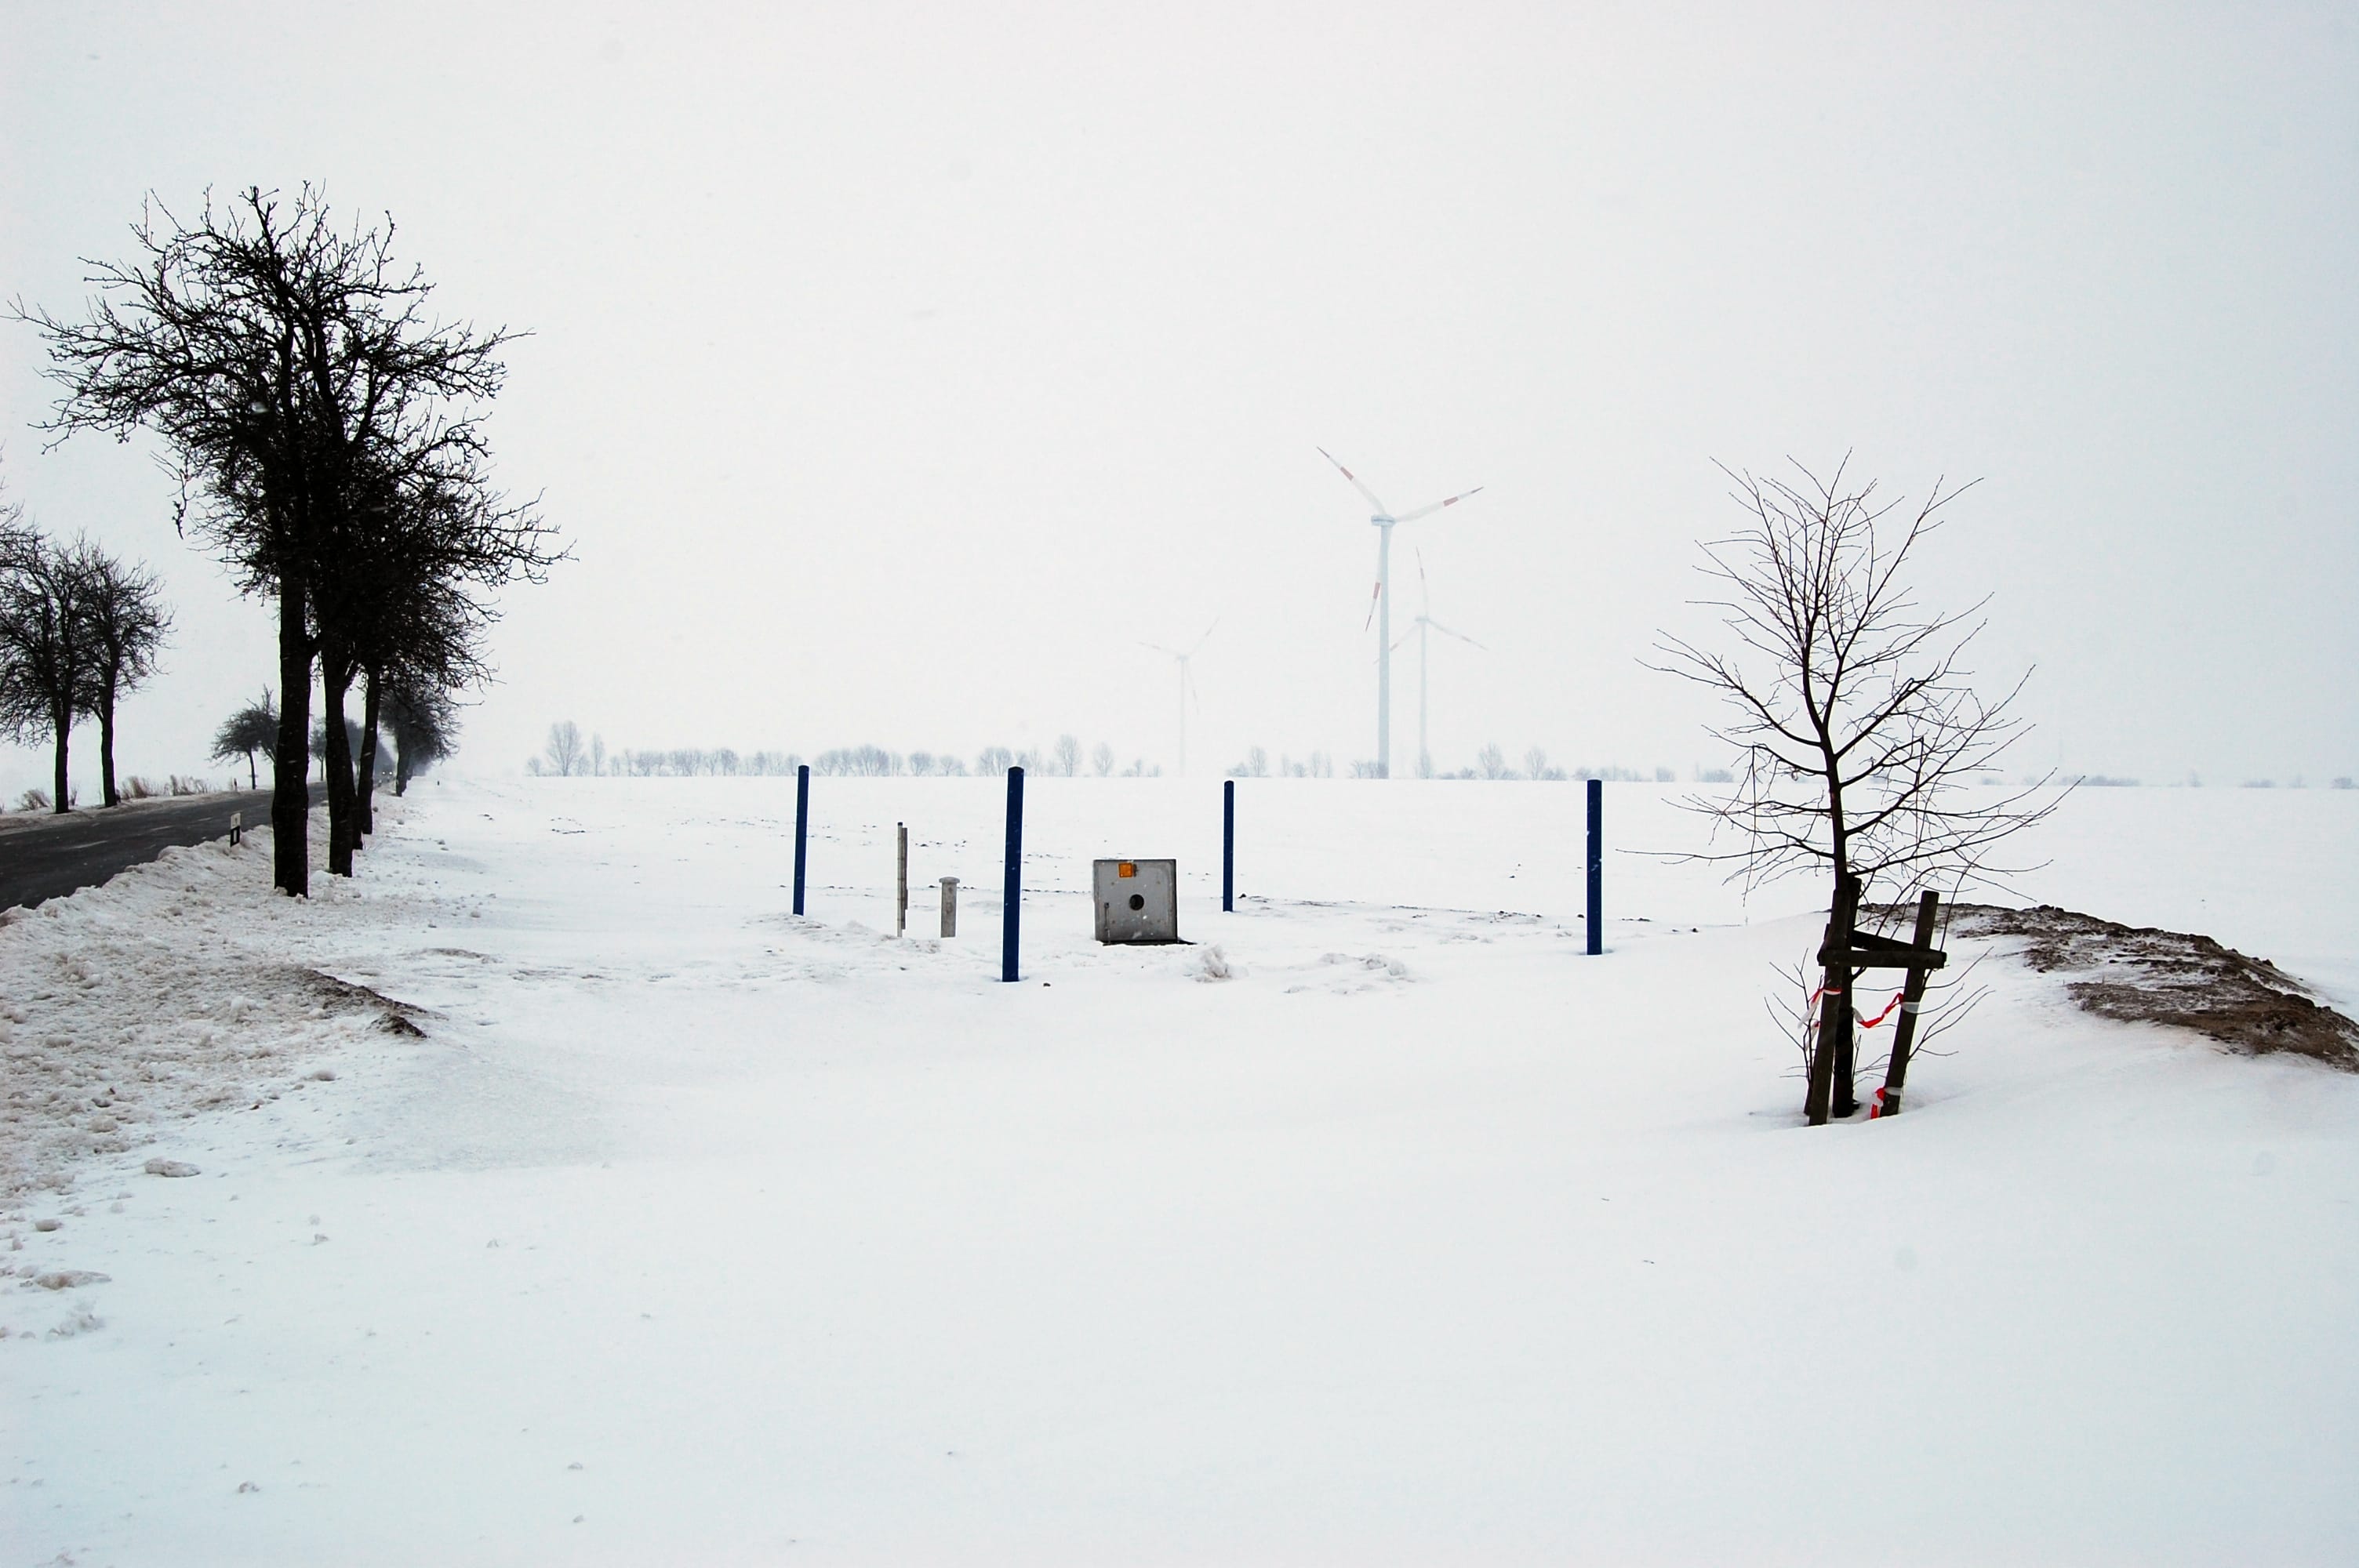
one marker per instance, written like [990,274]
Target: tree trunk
[335,679]
[1846,1038]
[1834,1007]
[63,723]
[400,773]
[251,782]
[106,745]
[367,789]
[291,769]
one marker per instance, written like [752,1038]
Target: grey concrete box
[1138,901]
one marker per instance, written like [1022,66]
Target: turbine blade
[1424,594]
[1459,636]
[1206,637]
[1372,592]
[1159,648]
[1429,511]
[1362,489]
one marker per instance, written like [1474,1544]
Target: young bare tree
[1069,755]
[122,607]
[1855,719]
[252,728]
[281,360]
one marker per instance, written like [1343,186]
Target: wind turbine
[1425,624]
[1187,686]
[1381,609]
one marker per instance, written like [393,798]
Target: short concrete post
[236,829]
[949,907]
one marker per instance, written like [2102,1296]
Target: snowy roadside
[179,987]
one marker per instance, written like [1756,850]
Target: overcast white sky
[898,368]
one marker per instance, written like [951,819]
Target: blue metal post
[1596,866]
[1228,845]
[1013,896]
[802,830]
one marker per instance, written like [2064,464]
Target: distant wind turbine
[1381,609]
[1187,685]
[1424,624]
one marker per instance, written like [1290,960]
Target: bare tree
[123,610]
[1853,720]
[1493,760]
[1102,759]
[285,363]
[252,728]
[564,749]
[424,724]
[1069,755]
[321,742]
[425,540]
[48,667]
[15,533]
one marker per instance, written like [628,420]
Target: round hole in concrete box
[1137,901]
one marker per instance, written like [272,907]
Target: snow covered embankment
[179,987]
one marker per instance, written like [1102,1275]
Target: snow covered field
[1396,1230]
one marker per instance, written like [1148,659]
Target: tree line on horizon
[569,753]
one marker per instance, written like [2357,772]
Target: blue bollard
[1228,845]
[1013,896]
[802,830]
[1596,866]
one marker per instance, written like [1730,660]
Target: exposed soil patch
[2143,975]
[345,995]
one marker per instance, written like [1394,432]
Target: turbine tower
[1187,686]
[1381,609]
[1424,624]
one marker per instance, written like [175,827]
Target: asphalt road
[53,856]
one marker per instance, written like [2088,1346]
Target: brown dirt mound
[343,996]
[2143,975]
